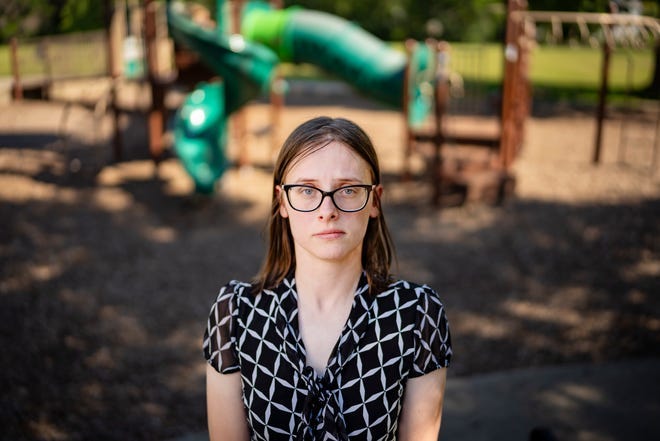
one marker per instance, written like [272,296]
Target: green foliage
[80,15]
[26,18]
[391,20]
[569,5]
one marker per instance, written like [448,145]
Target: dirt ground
[107,270]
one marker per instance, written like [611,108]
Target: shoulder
[408,298]
[237,294]
[235,287]
[229,297]
[411,291]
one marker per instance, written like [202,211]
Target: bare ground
[107,269]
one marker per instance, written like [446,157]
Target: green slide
[346,50]
[246,70]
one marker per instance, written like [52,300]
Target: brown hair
[377,249]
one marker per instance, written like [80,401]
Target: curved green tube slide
[334,44]
[346,50]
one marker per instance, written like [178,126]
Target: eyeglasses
[349,198]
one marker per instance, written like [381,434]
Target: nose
[327,210]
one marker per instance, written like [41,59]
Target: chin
[335,255]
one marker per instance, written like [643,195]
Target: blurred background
[114,241]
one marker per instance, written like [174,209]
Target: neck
[327,284]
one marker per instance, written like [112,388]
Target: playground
[108,267]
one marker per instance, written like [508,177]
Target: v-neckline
[349,337]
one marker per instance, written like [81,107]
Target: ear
[374,211]
[279,194]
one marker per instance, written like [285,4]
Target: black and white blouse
[388,338]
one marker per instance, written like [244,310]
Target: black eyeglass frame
[368,187]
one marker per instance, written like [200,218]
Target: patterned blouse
[388,338]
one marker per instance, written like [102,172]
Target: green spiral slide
[246,64]
[338,46]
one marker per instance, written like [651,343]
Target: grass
[71,55]
[556,72]
[560,72]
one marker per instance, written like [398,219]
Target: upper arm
[224,405]
[422,407]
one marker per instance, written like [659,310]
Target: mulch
[107,270]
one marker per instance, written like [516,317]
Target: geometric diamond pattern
[398,334]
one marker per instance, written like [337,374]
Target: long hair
[377,246]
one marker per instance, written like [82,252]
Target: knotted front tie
[321,417]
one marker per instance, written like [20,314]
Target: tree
[456,20]
[25,18]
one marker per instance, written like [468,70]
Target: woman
[324,344]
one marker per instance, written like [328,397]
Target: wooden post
[114,75]
[512,89]
[441,98]
[655,163]
[602,100]
[408,136]
[156,117]
[238,120]
[277,91]
[15,70]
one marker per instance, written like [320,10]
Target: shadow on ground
[105,286]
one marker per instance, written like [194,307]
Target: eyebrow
[339,181]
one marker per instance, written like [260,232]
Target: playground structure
[246,64]
[233,59]
[610,32]
[490,178]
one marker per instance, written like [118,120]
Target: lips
[329,234]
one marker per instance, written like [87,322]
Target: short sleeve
[219,343]
[432,337]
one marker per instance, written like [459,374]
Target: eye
[304,191]
[349,191]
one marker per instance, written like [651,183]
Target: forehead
[335,160]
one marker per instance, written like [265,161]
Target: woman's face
[327,233]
